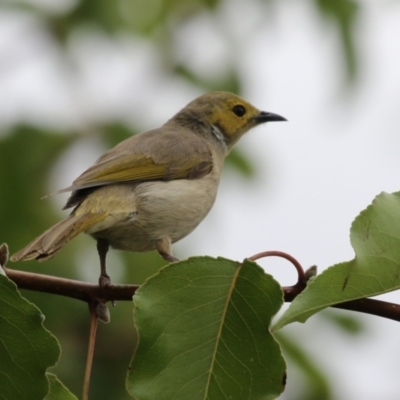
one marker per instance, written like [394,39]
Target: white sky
[314,174]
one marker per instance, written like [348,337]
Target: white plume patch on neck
[218,134]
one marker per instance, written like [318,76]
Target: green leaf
[203,328]
[57,390]
[27,349]
[375,237]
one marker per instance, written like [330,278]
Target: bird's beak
[267,117]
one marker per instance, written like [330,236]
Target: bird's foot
[168,257]
[171,258]
[164,249]
[104,280]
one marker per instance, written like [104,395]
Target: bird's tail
[51,241]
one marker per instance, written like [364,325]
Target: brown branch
[91,292]
[379,308]
[88,292]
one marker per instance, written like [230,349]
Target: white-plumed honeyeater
[154,188]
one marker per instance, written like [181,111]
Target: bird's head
[224,115]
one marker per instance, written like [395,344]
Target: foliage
[27,349]
[375,269]
[57,391]
[204,324]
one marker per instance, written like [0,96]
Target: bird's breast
[176,207]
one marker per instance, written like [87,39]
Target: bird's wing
[143,159]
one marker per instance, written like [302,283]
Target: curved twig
[276,253]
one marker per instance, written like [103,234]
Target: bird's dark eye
[239,110]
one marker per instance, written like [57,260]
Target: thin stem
[92,342]
[3,254]
[276,253]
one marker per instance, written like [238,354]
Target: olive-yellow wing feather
[126,168]
[160,154]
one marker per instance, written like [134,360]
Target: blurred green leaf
[203,328]
[344,14]
[26,157]
[375,237]
[345,321]
[231,82]
[116,133]
[140,266]
[316,386]
[102,14]
[57,391]
[242,164]
[141,16]
[27,349]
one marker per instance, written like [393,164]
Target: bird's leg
[102,249]
[164,249]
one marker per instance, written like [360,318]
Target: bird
[154,188]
